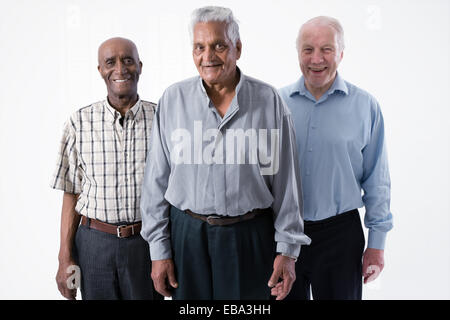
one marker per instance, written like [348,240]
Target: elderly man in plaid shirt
[100,169]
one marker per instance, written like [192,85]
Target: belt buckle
[119,235]
[211,218]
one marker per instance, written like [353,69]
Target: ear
[140,67]
[238,49]
[99,70]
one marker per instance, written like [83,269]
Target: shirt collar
[241,80]
[113,114]
[238,86]
[338,85]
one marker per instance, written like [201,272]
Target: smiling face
[319,56]
[214,54]
[119,66]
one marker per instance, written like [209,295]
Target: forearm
[155,224]
[376,184]
[70,220]
[154,207]
[155,210]
[287,192]
[378,217]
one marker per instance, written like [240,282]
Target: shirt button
[310,150]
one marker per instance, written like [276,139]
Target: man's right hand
[69,225]
[163,276]
[61,279]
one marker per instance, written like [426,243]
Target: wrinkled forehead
[210,31]
[117,48]
[318,34]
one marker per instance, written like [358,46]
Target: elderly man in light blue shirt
[221,193]
[342,151]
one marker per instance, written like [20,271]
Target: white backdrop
[397,50]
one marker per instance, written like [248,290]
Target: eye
[198,48]
[327,49]
[128,61]
[307,50]
[220,47]
[109,63]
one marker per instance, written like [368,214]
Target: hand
[375,258]
[163,272]
[284,268]
[61,279]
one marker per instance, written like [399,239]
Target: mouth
[120,80]
[317,70]
[212,65]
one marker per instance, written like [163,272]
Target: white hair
[329,21]
[219,14]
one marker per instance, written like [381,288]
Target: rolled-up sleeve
[154,206]
[287,191]
[376,183]
[67,176]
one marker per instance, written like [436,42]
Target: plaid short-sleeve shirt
[103,161]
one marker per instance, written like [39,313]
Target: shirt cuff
[285,255]
[376,239]
[288,249]
[160,250]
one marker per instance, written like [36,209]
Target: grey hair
[329,21]
[219,14]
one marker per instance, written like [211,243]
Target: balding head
[114,43]
[120,67]
[324,21]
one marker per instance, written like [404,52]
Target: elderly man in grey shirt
[221,192]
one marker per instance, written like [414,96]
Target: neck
[318,92]
[122,103]
[220,89]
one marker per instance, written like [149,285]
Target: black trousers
[113,268]
[332,265]
[231,262]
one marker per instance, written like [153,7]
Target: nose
[317,57]
[120,67]
[208,54]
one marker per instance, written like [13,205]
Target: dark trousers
[222,262]
[332,265]
[113,268]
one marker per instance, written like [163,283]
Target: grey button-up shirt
[227,166]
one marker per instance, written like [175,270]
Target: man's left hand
[284,268]
[372,257]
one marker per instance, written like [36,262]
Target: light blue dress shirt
[342,152]
[206,176]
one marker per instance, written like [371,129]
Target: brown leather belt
[122,231]
[217,220]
